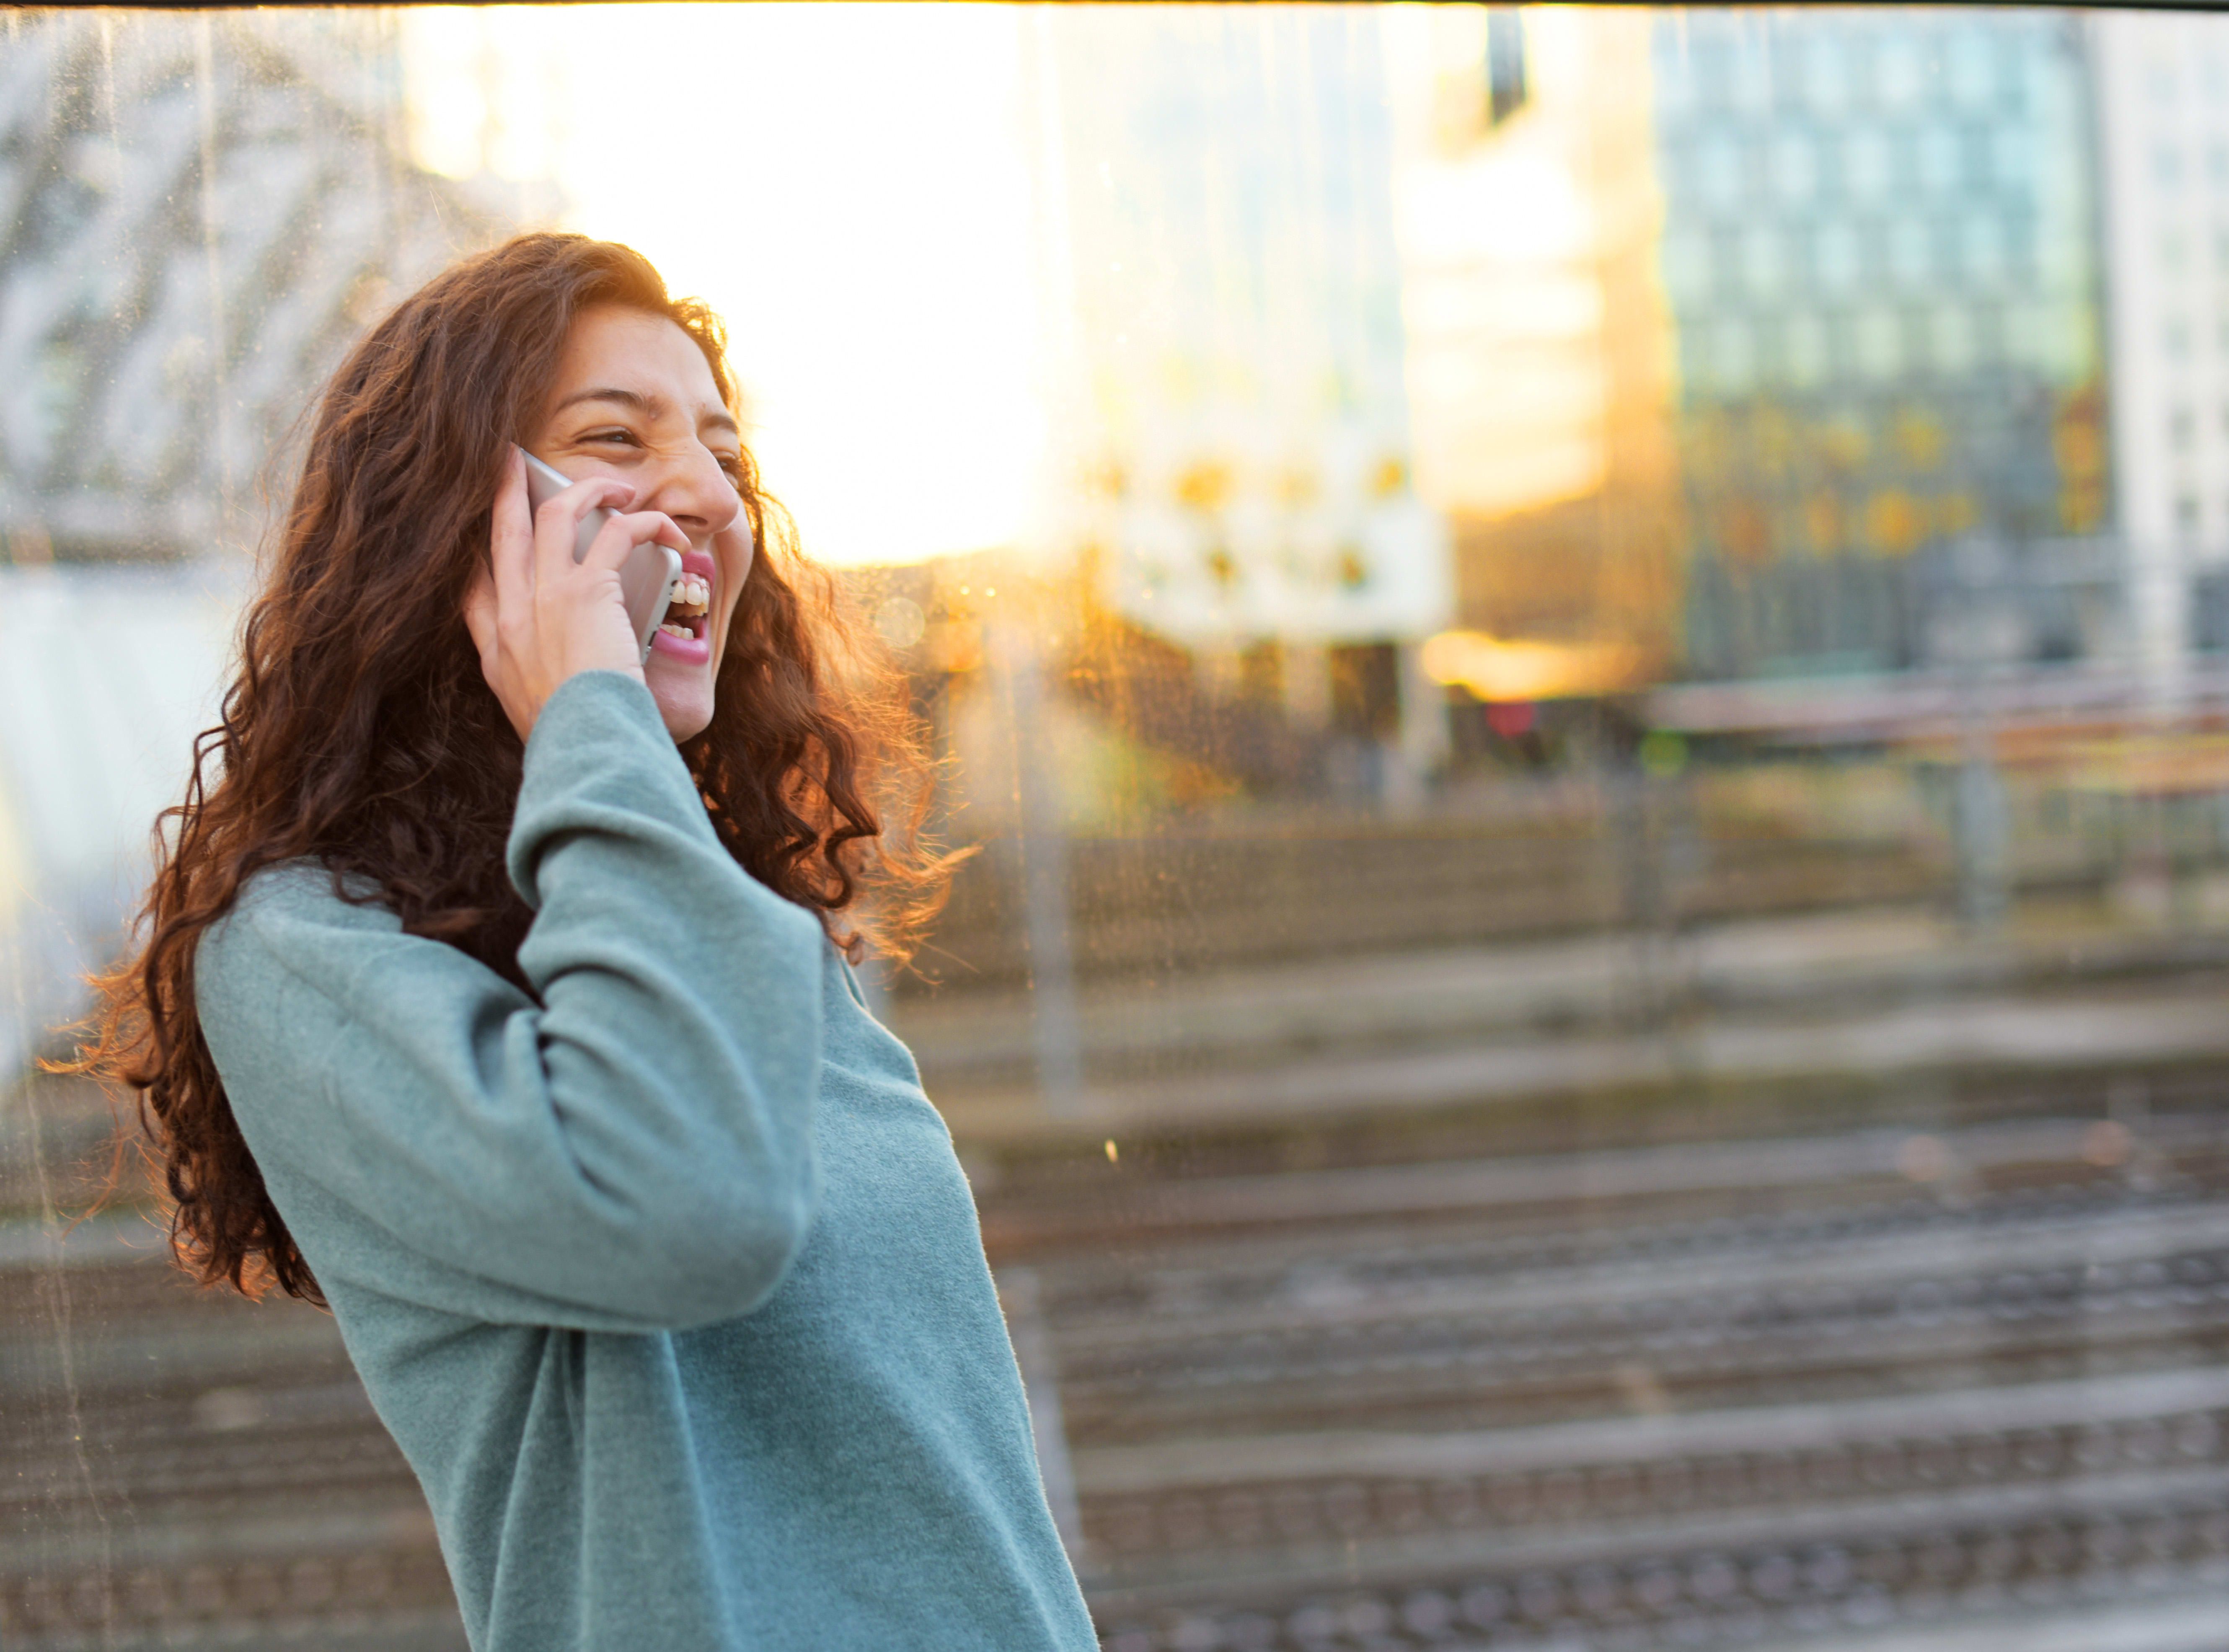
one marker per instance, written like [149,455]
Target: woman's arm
[634,1151]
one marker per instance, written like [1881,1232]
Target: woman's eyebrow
[645,405]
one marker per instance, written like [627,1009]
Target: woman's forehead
[632,349]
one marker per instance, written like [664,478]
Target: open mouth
[690,613]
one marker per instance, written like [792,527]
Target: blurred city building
[1228,361]
[1539,363]
[2163,156]
[1880,253]
[199,213]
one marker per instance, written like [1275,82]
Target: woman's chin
[684,694]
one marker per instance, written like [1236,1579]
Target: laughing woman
[495,991]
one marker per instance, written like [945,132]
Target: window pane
[1578,656]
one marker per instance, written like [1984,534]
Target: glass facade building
[1880,250]
[197,214]
[2163,156]
[1232,328]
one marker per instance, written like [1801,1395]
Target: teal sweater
[665,1278]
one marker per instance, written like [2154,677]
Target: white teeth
[692,594]
[682,632]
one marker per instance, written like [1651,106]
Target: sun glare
[844,185]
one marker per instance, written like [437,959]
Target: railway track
[2115,1288]
[186,1471]
[2125,1553]
[1865,1389]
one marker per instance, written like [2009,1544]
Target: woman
[496,993]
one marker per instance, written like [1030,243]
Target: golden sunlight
[846,186]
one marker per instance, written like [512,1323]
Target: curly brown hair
[359,732]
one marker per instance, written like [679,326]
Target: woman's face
[634,398]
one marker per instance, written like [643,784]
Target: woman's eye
[624,437]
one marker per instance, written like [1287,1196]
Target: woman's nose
[696,492]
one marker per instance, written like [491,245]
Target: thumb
[480,611]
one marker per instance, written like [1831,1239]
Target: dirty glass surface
[1586,650]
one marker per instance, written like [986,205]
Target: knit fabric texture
[665,1276]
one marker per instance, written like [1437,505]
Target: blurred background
[1590,650]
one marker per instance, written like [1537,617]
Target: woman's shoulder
[291,940]
[291,897]
[309,888]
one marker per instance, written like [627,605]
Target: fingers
[622,534]
[535,616]
[661,528]
[557,524]
[510,537]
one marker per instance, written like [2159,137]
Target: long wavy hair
[359,733]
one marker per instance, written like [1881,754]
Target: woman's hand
[536,615]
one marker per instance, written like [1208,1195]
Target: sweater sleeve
[629,1148]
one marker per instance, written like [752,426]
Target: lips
[685,651]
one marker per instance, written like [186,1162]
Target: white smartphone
[648,575]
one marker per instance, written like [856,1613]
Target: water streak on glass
[1589,652]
